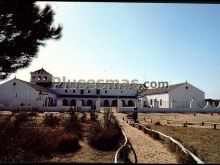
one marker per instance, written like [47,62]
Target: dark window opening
[74,91]
[65,91]
[98,91]
[81,91]
[64,102]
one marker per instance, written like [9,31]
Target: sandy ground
[177,119]
[147,149]
[86,154]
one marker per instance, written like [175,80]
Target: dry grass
[203,142]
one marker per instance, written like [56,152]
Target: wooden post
[215,126]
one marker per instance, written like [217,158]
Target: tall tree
[23,28]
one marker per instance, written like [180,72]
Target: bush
[73,125]
[68,143]
[51,120]
[83,118]
[32,143]
[105,139]
[58,141]
[157,123]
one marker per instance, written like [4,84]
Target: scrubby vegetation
[22,140]
[105,137]
[51,120]
[36,137]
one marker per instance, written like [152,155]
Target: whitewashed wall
[25,93]
[185,95]
[163,97]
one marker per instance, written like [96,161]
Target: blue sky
[144,41]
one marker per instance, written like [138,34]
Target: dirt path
[147,149]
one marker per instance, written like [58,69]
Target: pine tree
[23,28]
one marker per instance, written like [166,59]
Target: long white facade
[42,92]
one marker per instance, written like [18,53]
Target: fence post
[215,126]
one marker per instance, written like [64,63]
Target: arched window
[34,77]
[45,78]
[65,103]
[73,102]
[130,103]
[114,103]
[39,78]
[106,103]
[89,103]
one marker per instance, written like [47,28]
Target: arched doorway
[89,103]
[73,102]
[123,103]
[65,103]
[106,103]
[130,103]
[114,103]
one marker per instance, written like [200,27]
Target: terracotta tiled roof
[41,71]
[37,87]
[160,90]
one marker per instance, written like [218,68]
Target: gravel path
[147,149]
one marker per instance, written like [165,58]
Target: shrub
[83,118]
[105,139]
[73,125]
[51,120]
[157,123]
[68,143]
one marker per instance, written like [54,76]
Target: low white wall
[170,110]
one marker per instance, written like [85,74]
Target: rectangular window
[74,91]
[98,91]
[81,91]
[160,102]
[65,91]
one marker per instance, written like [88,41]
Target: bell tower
[42,78]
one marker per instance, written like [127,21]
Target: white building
[174,96]
[17,92]
[42,92]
